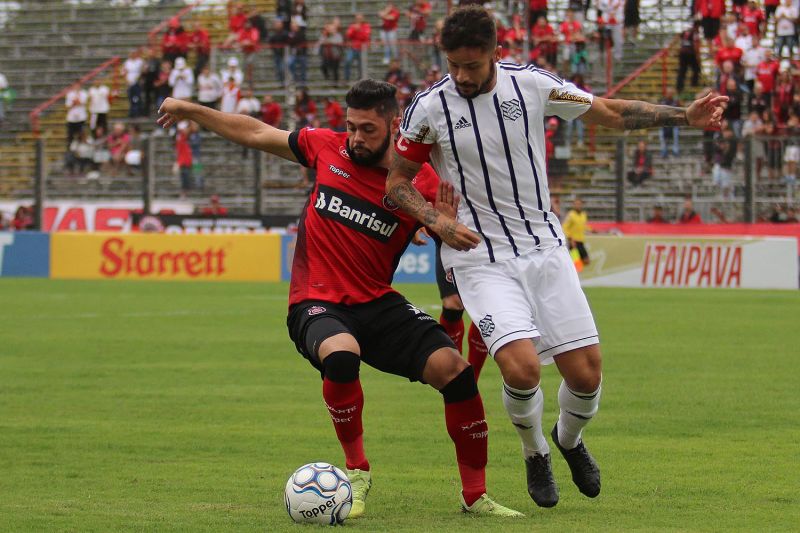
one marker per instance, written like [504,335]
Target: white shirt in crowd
[785,26]
[3,82]
[209,88]
[248,106]
[744,42]
[230,97]
[182,82]
[133,69]
[492,149]
[99,99]
[750,59]
[76,106]
[237,74]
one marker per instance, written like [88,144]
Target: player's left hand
[447,200]
[707,111]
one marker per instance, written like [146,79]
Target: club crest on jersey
[389,204]
[486,326]
[565,96]
[343,152]
[315,310]
[511,109]
[462,123]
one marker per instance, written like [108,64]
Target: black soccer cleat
[585,472]
[541,485]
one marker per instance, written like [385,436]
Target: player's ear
[498,53]
[395,125]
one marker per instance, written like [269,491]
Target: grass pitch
[134,406]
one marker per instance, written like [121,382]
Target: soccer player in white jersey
[481,127]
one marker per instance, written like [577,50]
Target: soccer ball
[318,493]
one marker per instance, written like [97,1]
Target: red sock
[345,401]
[466,424]
[477,350]
[454,329]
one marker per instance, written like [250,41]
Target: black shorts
[394,336]
[447,286]
[710,27]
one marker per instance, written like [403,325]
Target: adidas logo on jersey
[462,123]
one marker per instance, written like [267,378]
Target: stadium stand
[64,41]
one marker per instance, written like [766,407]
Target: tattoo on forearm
[638,115]
[406,196]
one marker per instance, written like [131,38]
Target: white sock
[577,410]
[524,408]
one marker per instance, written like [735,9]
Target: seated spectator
[135,153]
[215,208]
[688,215]
[79,158]
[335,114]
[544,41]
[100,152]
[209,88]
[23,219]
[258,21]
[305,110]
[658,216]
[174,43]
[395,74]
[642,165]
[181,79]
[271,112]
[579,58]
[118,146]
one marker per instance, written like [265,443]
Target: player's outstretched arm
[401,190]
[240,129]
[634,114]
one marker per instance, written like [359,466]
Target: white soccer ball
[318,493]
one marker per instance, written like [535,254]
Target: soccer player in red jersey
[342,308]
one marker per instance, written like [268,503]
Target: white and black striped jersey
[492,149]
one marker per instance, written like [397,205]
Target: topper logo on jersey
[355,213]
[511,109]
[339,172]
[462,123]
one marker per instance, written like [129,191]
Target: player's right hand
[170,112]
[457,236]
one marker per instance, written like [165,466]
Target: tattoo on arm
[406,196]
[637,115]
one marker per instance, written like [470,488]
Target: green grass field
[184,407]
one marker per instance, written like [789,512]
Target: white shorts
[535,296]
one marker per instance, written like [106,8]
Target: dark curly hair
[373,94]
[469,27]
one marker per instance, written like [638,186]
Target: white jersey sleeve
[415,125]
[563,99]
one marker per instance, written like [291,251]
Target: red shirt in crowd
[174,43]
[538,5]
[350,237]
[248,39]
[358,35]
[200,41]
[236,22]
[335,115]
[728,53]
[710,8]
[271,113]
[183,150]
[753,19]
[568,28]
[391,20]
[690,218]
[766,72]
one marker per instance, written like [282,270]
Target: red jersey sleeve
[427,182]
[307,143]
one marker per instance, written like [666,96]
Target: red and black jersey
[351,236]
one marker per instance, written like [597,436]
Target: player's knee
[587,379]
[442,367]
[341,367]
[521,372]
[461,387]
[453,302]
